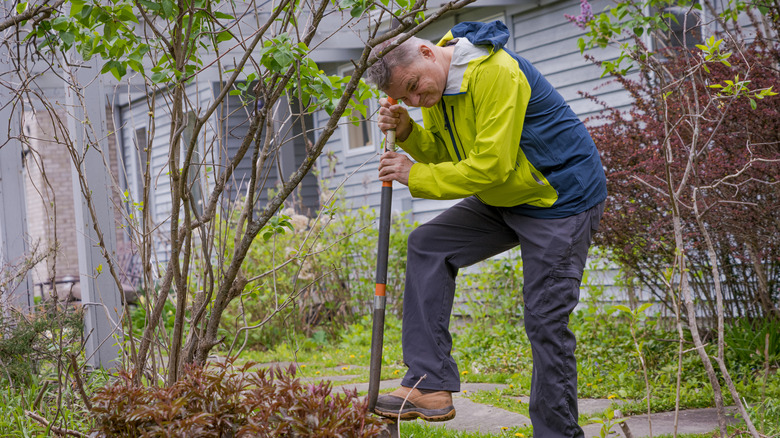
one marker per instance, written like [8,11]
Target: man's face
[420,84]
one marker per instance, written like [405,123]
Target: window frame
[373,128]
[194,176]
[701,27]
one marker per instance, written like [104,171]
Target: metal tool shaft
[380,299]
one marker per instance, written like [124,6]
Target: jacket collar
[464,57]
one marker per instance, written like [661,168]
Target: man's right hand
[394,117]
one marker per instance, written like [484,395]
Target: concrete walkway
[475,417]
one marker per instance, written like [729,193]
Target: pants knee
[419,238]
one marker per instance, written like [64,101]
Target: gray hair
[405,54]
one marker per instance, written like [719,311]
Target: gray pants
[553,253]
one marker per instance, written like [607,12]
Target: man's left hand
[395,167]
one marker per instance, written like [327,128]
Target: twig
[766,367]
[404,402]
[623,426]
[79,383]
[40,395]
[55,429]
[29,13]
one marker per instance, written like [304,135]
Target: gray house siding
[546,38]
[233,119]
[293,132]
[233,123]
[220,139]
[135,116]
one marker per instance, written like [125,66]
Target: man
[497,134]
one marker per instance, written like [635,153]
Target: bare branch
[33,12]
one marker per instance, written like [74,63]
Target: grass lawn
[499,353]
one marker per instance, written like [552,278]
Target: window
[142,156]
[363,134]
[193,176]
[685,25]
[141,146]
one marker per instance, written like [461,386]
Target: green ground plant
[608,367]
[48,407]
[495,290]
[490,350]
[26,342]
[315,276]
[42,393]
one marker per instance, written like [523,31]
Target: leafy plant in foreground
[220,401]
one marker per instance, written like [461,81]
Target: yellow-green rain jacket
[501,132]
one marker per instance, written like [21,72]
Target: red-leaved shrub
[712,137]
[222,401]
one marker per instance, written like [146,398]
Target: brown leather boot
[430,405]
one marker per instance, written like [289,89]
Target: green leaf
[223,16]
[167,7]
[357,11]
[113,67]
[224,36]
[109,31]
[126,14]
[152,6]
[159,77]
[76,6]
[644,307]
[753,103]
[60,23]
[135,65]
[120,71]
[622,308]
[67,38]
[21,7]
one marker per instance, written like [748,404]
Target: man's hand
[395,167]
[394,117]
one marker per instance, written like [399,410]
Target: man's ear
[427,53]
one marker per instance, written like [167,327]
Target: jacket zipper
[449,128]
[454,128]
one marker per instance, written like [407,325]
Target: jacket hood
[494,34]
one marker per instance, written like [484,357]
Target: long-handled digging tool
[378,329]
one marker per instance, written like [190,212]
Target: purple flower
[586,15]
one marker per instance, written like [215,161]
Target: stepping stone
[474,387]
[594,406]
[691,421]
[363,387]
[341,378]
[475,417]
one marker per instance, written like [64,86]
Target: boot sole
[432,415]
